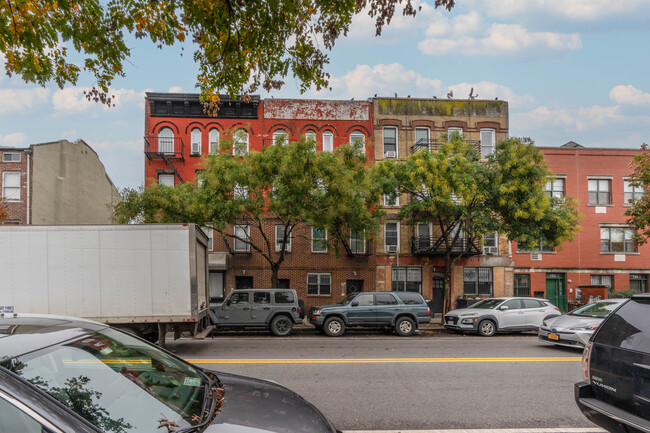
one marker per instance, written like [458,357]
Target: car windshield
[597,309]
[117,382]
[486,304]
[347,299]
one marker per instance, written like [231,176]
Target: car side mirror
[503,307]
[355,303]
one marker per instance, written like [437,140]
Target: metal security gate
[556,291]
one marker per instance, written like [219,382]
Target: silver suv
[501,314]
[274,309]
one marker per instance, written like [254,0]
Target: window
[284,297]
[195,138]
[453,131]
[240,191]
[213,140]
[239,298]
[261,298]
[639,282]
[632,193]
[491,243]
[422,137]
[627,328]
[166,140]
[617,240]
[406,279]
[390,142]
[391,199]
[11,185]
[391,237]
[424,235]
[385,299]
[603,280]
[513,304]
[279,238]
[522,284]
[539,246]
[11,157]
[166,179]
[366,300]
[357,137]
[243,232]
[208,233]
[488,138]
[318,240]
[319,284]
[328,141]
[13,419]
[280,137]
[357,243]
[599,191]
[532,303]
[240,145]
[310,136]
[477,281]
[555,188]
[215,281]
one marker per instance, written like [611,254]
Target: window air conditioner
[391,248]
[196,148]
[490,250]
[278,247]
[536,257]
[390,154]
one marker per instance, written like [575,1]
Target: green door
[556,291]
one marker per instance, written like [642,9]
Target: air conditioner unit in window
[278,247]
[196,148]
[536,257]
[390,154]
[490,250]
[391,248]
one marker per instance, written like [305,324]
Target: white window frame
[496,244]
[196,138]
[319,284]
[279,239]
[451,130]
[162,134]
[315,241]
[422,128]
[550,187]
[417,233]
[213,140]
[394,203]
[328,136]
[6,195]
[244,232]
[310,136]
[357,136]
[281,137]
[363,243]
[240,191]
[163,179]
[383,141]
[488,150]
[12,155]
[386,245]
[238,137]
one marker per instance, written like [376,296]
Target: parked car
[61,374]
[572,328]
[274,309]
[615,391]
[493,315]
[402,311]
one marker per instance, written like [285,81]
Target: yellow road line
[380,360]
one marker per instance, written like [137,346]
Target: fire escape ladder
[169,162]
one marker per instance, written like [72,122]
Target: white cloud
[13,101]
[16,139]
[576,10]
[73,100]
[572,120]
[629,95]
[176,89]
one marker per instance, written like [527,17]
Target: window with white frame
[617,240]
[240,191]
[391,199]
[357,137]
[208,233]
[280,230]
[406,279]
[477,281]
[280,137]
[166,140]
[603,280]
[357,243]
[424,235]
[452,131]
[166,179]
[11,185]
[555,188]
[491,243]
[488,139]
[213,140]
[599,191]
[318,240]
[391,237]
[319,284]
[632,192]
[310,137]
[242,237]
[328,141]
[389,135]
[422,137]
[240,142]
[11,157]
[195,138]
[539,246]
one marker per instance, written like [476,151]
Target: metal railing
[435,246]
[434,144]
[172,147]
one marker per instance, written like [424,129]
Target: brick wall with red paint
[16,210]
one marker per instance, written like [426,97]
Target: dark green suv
[403,311]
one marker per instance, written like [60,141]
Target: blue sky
[570,70]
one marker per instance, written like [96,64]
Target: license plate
[553,337]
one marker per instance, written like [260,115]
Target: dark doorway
[354,286]
[283,283]
[243,283]
[438,296]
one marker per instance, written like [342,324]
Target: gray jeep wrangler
[273,309]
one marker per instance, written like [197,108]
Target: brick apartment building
[56,183]
[603,252]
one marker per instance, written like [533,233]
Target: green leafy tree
[239,45]
[3,210]
[466,198]
[289,185]
[639,213]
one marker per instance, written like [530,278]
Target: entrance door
[438,297]
[556,291]
[353,286]
[283,283]
[243,283]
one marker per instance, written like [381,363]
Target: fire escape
[168,149]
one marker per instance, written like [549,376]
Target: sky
[571,70]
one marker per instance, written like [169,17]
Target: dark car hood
[321,307]
[255,406]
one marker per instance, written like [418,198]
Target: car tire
[487,328]
[404,326]
[334,327]
[281,325]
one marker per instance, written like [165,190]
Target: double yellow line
[379,360]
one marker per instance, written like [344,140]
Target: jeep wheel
[404,326]
[334,327]
[281,326]
[487,328]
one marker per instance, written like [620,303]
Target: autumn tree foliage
[639,213]
[3,211]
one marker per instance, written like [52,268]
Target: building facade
[15,169]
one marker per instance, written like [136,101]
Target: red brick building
[603,252]
[15,168]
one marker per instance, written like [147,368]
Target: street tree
[288,186]
[3,210]
[639,213]
[239,46]
[465,198]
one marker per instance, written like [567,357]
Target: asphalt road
[384,382]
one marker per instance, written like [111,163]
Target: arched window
[195,138]
[357,137]
[213,140]
[240,145]
[166,140]
[280,137]
[310,137]
[328,141]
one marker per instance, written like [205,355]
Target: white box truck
[149,278]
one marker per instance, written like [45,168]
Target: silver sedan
[573,328]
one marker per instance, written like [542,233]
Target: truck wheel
[487,328]
[281,326]
[404,326]
[334,327]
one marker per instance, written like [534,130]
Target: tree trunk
[274,275]
[447,301]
